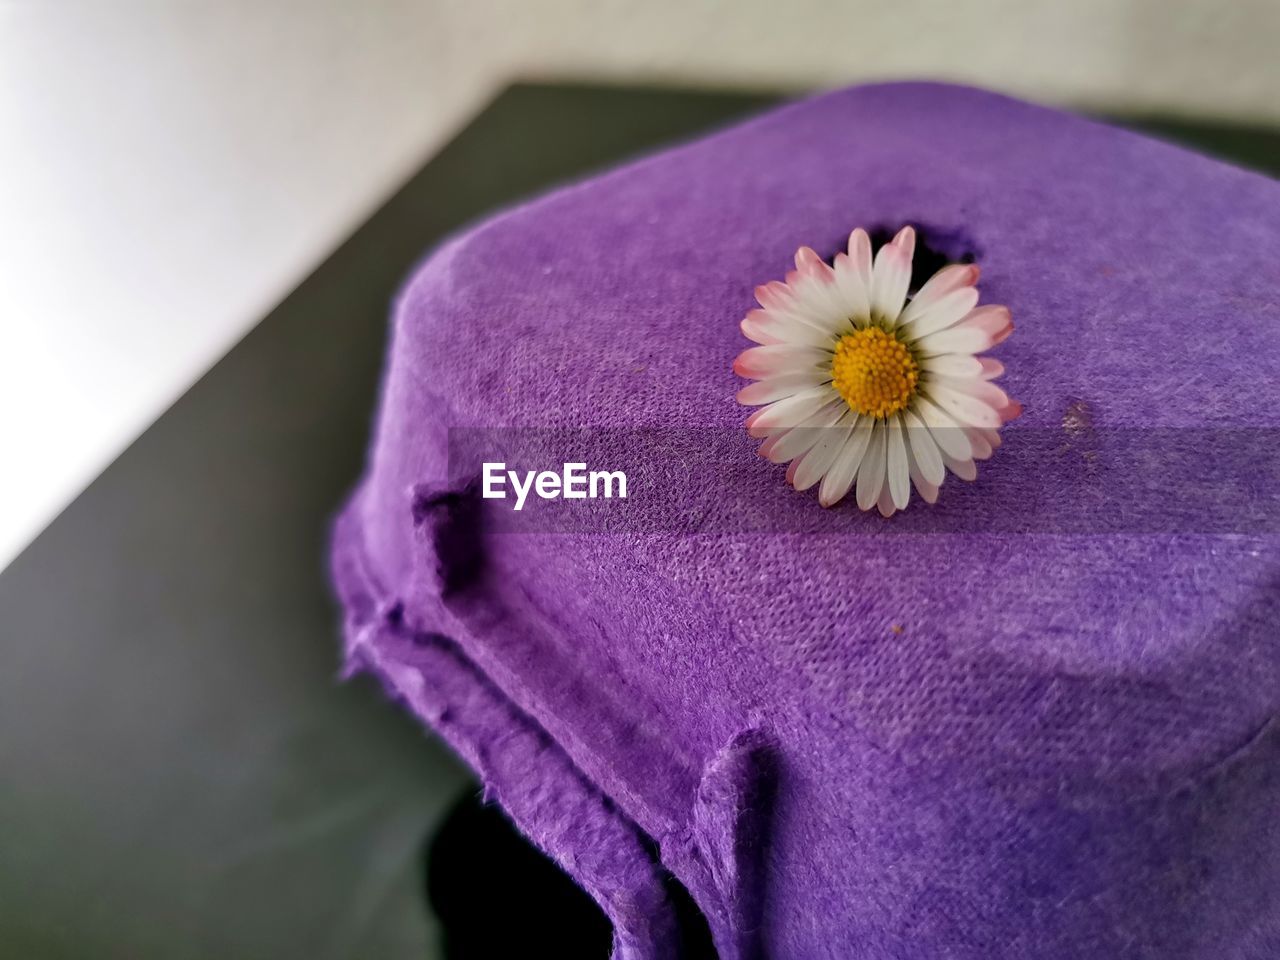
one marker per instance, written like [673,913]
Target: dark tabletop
[181,775]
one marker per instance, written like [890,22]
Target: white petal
[905,240]
[853,289]
[794,304]
[946,433]
[993,319]
[945,281]
[790,412]
[975,387]
[889,281]
[954,339]
[991,368]
[981,449]
[928,491]
[774,295]
[840,476]
[924,450]
[896,465]
[966,410]
[766,327]
[757,363]
[815,317]
[819,306]
[756,328]
[819,459]
[800,439]
[931,318]
[860,256]
[778,388]
[816,289]
[964,469]
[810,264]
[884,502]
[952,365]
[871,472]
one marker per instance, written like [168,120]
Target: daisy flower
[863,388]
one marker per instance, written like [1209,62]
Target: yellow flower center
[874,372]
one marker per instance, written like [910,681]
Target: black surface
[496,896]
[180,775]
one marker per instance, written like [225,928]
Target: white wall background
[169,170]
